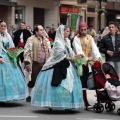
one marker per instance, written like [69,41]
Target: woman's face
[3,27]
[66,32]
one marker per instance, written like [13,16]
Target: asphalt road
[24,111]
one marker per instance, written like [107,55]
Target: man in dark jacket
[20,38]
[110,46]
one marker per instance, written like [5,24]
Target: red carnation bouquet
[97,64]
[13,53]
[51,40]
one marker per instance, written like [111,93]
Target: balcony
[7,3]
[72,2]
[113,5]
[95,3]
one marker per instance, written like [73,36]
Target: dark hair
[36,29]
[23,22]
[2,21]
[65,27]
[112,22]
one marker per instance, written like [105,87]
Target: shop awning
[8,3]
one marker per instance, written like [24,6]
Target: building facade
[33,12]
[92,15]
[5,11]
[70,11]
[87,11]
[51,13]
[113,9]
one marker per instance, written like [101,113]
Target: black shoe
[28,99]
[68,110]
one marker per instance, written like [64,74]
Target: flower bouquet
[13,53]
[80,59]
[51,41]
[96,63]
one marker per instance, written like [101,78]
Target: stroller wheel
[110,106]
[118,111]
[98,108]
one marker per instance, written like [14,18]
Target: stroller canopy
[108,69]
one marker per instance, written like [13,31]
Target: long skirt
[67,95]
[12,83]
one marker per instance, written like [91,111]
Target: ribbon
[14,61]
[80,69]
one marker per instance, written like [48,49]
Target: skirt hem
[15,98]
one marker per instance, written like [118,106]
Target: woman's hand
[68,58]
[1,60]
[90,58]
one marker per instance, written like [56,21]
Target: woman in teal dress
[12,83]
[58,85]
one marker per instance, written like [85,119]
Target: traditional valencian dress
[48,91]
[12,83]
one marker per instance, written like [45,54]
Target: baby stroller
[99,79]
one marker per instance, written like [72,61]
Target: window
[19,15]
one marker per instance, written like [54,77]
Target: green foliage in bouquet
[79,60]
[13,53]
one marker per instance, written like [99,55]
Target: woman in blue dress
[58,84]
[12,83]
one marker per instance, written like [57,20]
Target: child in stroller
[105,77]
